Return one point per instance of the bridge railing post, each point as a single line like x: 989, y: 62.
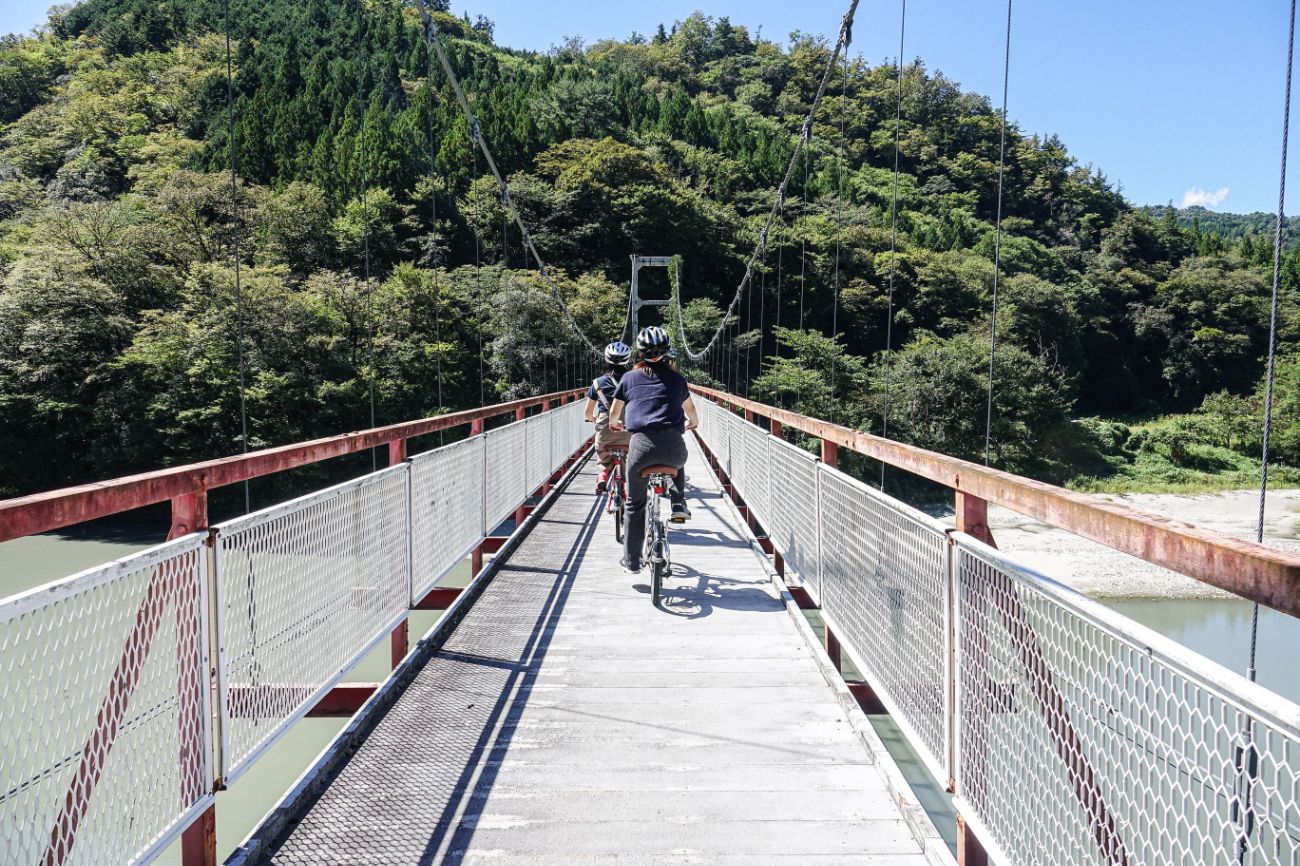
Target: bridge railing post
x: 199, y: 840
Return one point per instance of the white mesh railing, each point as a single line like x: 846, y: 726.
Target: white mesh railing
x: 884, y: 584
x: 1128, y: 748
x: 793, y: 522
x: 305, y: 589
x: 537, y: 450
x: 507, y: 471
x: 447, y: 496
x: 1074, y: 735
x: 107, y: 744
x: 105, y: 734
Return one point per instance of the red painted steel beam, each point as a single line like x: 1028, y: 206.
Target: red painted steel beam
x: 439, y: 598
x: 1253, y: 571
x: 342, y: 700
x: 40, y: 512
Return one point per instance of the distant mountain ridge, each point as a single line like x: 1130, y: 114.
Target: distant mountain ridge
x: 1232, y: 226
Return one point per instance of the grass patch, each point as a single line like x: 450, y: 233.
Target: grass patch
x: 1169, y: 454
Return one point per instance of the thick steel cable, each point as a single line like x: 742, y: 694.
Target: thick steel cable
x: 235, y: 253
x: 1248, y: 764
x: 839, y: 239
x: 433, y: 238
x: 803, y: 235
x: 762, y: 310
x: 749, y: 329
x: 430, y: 32
x: 997, y: 239
x: 841, y: 44
x: 478, y: 275
x: 893, y: 239
x: 365, y: 230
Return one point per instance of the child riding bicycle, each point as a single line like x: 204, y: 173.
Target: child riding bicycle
x: 600, y: 397
x: 653, y: 403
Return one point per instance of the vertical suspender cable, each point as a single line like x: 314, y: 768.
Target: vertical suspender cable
x: 239, y: 288
x: 1249, y: 763
x: 839, y: 237
x: 893, y: 240
x: 997, y: 240
x: 362, y: 99
x: 478, y: 267
x: 434, y: 258
x: 749, y: 328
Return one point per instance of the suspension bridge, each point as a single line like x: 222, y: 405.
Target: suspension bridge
x: 553, y: 715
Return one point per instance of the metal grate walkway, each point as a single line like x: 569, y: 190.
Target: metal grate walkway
x: 566, y: 720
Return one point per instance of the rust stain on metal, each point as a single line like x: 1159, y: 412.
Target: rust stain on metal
x: 1253, y: 571
x: 41, y: 512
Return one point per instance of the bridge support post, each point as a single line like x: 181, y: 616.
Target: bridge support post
x: 396, y: 451
x: 399, y: 643
x: 776, y: 429
x: 969, y: 850
x: 520, y: 413
x: 973, y: 517
x: 749, y: 415
x: 830, y: 454
x: 476, y: 561
x: 833, y: 648
x: 199, y: 841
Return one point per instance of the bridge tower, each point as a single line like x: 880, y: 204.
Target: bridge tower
x: 637, y: 302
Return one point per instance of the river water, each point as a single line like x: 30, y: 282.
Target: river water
x: 1217, y: 629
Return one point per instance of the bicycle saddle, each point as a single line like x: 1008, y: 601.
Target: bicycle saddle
x: 670, y: 471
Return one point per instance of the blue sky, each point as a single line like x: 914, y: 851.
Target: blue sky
x: 1177, y: 100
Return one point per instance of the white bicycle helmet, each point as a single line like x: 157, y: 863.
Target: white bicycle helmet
x: 618, y: 353
x: 653, y: 343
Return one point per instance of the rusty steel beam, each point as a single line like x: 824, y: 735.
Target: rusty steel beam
x: 1253, y: 571
x: 439, y: 598
x: 40, y: 512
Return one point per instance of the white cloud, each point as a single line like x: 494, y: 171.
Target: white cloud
x: 1203, y: 197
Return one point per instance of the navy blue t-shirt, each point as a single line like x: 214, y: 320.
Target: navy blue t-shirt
x: 654, y: 400
x: 607, y: 384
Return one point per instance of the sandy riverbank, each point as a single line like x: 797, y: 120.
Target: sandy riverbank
x: 1100, y: 571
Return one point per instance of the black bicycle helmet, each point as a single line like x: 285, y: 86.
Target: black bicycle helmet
x: 618, y: 353
x: 653, y: 343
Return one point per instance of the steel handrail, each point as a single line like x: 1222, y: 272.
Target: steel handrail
x: 1252, y: 571
x: 41, y: 512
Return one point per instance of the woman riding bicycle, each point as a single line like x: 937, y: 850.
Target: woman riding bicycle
x: 600, y: 396
x: 658, y: 411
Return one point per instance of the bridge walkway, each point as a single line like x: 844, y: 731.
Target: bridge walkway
x: 567, y: 721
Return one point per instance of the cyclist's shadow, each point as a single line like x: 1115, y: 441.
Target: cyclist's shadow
x: 692, y: 594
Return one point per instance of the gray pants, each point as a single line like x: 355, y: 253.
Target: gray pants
x: 650, y: 448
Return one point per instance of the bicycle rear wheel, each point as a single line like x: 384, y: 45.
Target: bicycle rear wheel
x: 619, y: 515
x: 657, y: 570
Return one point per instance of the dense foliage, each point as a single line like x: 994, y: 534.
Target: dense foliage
x: 119, y: 333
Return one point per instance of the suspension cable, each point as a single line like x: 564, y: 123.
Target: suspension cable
x: 430, y: 32
x: 997, y: 239
x: 841, y: 44
x: 893, y: 241
x: 839, y: 238
x: 433, y: 238
x: 235, y: 254
x: 478, y: 275
x: 362, y: 99
x: 1247, y: 756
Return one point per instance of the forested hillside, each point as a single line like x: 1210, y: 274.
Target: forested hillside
x: 119, y: 338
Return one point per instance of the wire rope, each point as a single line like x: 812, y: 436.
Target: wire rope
x: 997, y: 240
x: 235, y: 252
x: 430, y: 33
x: 842, y: 42
x: 1248, y: 764
x: 362, y: 99
x: 893, y: 243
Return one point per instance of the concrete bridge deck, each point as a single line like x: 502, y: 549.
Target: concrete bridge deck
x: 567, y: 721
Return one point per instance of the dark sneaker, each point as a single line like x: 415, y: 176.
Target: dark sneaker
x: 630, y: 566
x: 601, y: 485
x: 681, y: 513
